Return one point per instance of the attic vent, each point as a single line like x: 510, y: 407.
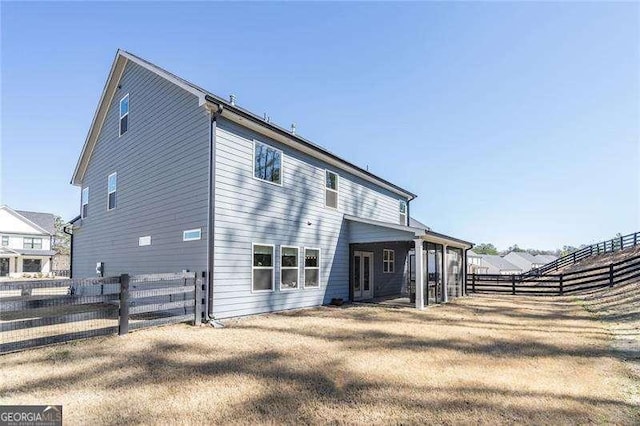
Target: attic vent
x: 232, y: 100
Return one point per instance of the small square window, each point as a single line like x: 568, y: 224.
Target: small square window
x: 267, y: 163
x: 5, y: 240
x: 192, y: 234
x: 144, y: 241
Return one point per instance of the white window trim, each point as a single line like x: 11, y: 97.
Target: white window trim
x: 144, y: 239
x: 253, y: 164
x: 304, y: 268
x: 185, y: 232
x: 337, y: 190
x: 125, y: 115
x: 297, y: 268
x: 390, y: 263
x: 82, y: 203
x: 272, y: 267
x: 111, y: 192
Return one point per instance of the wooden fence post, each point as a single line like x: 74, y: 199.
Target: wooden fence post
x: 574, y: 257
x: 635, y: 239
x: 473, y: 282
x: 513, y: 284
x: 561, y: 285
x: 123, y: 326
x: 198, y: 305
x: 611, y: 275
x: 621, y: 243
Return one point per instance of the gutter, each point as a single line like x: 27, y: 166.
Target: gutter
x: 64, y: 229
x: 210, y: 212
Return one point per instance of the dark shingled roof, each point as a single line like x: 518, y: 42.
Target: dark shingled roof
x: 44, y: 220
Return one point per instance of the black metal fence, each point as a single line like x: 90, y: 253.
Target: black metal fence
x: 557, y: 284
x: 39, y: 313
x: 608, y: 246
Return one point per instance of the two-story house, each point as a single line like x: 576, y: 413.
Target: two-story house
x: 25, y: 245
x: 175, y: 178
x: 523, y: 260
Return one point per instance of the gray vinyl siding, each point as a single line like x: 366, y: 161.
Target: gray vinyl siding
x: 162, y: 166
x: 388, y: 283
x: 249, y: 211
x: 365, y: 233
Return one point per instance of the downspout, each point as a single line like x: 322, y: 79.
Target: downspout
x: 210, y: 212
x: 64, y: 229
x: 466, y: 266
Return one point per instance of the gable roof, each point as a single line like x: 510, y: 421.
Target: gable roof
x: 232, y: 112
x: 44, y: 222
x: 545, y: 258
x: 526, y: 256
x: 500, y: 263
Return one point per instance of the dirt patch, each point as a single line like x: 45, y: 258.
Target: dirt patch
x: 489, y: 360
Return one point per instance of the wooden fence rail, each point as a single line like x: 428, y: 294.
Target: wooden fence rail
x: 615, y: 244
x: 38, y: 313
x: 556, y: 284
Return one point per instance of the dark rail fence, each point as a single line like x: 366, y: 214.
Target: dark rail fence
x: 608, y: 246
x: 557, y: 284
x: 40, y: 313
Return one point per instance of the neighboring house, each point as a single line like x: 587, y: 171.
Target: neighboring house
x: 25, y: 246
x: 175, y: 178
x: 545, y: 258
x: 523, y: 260
x: 498, y: 265
x: 475, y: 263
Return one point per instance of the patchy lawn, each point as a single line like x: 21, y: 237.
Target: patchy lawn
x: 478, y: 360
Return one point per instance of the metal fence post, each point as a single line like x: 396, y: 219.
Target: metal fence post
x: 197, y: 320
x: 561, y: 285
x: 611, y: 275
x: 123, y: 326
x: 513, y: 284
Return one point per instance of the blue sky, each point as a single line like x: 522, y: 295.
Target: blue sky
x: 514, y: 122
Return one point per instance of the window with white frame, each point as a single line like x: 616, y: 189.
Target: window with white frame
x: 331, y: 189
x: 112, y: 188
x: 289, y: 270
x: 85, y: 202
x: 403, y: 212
x: 262, y: 267
x: 388, y: 261
x: 144, y: 241
x: 32, y: 243
x: 311, y: 267
x: 192, y: 234
x: 5, y: 240
x: 124, y: 114
x: 267, y: 163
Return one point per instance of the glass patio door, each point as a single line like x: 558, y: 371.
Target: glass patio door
x: 435, y: 285
x: 362, y: 275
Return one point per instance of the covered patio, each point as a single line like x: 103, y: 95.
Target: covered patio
x: 384, y: 267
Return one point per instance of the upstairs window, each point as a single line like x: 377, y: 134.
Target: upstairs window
x: 5, y: 240
x: 388, y: 261
x: 32, y: 243
x: 85, y: 202
x: 403, y: 212
x: 192, y: 234
x: 311, y: 268
x: 331, y: 190
x: 267, y: 163
x: 112, y: 188
x: 124, y: 114
x: 262, y: 267
x: 289, y: 268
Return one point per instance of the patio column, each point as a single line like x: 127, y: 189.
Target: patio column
x: 445, y: 274
x: 419, y: 274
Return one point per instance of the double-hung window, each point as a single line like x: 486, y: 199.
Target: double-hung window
x: 289, y: 271
x: 267, y: 163
x: 311, y: 268
x: 112, y: 189
x: 32, y: 243
x: 5, y: 240
x: 403, y: 212
x: 124, y: 114
x: 85, y: 202
x: 262, y: 267
x: 388, y: 261
x: 331, y: 189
